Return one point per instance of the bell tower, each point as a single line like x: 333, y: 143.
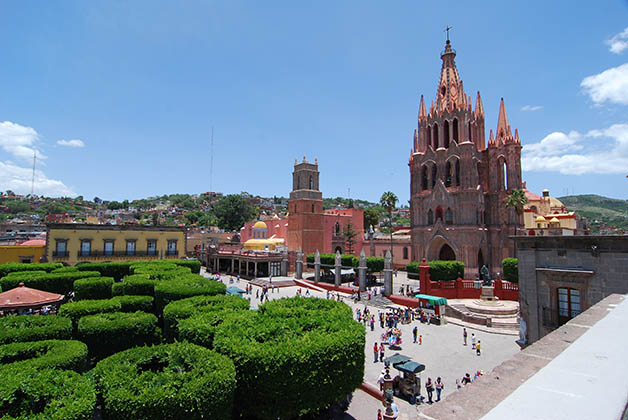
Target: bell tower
x: 305, y: 208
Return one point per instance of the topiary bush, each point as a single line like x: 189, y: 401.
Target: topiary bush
x: 184, y: 308
x: 132, y: 303
x: 61, y: 283
x: 109, y: 333
x: 445, y: 270
x: 510, y: 266
x: 77, y: 310
x: 293, y: 356
x: 13, y: 267
x: 56, y: 354
x: 19, y: 328
x: 168, y: 381
x: 160, y: 270
x: 45, y: 394
x: 93, y: 288
x: 136, y: 284
x: 117, y: 269
x: 193, y: 265
x: 184, y: 287
x: 68, y: 269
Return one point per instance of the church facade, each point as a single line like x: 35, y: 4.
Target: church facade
x: 459, y: 182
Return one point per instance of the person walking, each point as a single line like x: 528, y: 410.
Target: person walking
x: 372, y: 322
x: 477, y: 349
x: 429, y: 387
x: 420, y: 340
x: 379, y: 414
x: 464, y: 336
x: 415, y: 331
x: 439, y: 388
x: 381, y: 352
x: 473, y: 341
x: 375, y: 352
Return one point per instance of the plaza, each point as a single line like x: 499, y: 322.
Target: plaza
x: 442, y: 350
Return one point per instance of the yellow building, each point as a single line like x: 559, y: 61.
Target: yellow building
x: 28, y: 252
x: 546, y: 215
x: 72, y: 243
x: 259, y: 241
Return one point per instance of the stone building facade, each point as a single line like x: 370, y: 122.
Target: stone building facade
x: 459, y: 183
x: 562, y: 276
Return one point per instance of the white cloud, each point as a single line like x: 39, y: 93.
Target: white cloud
x: 18, y: 180
x: 71, y: 143
x: 19, y: 141
x: 531, y: 107
x: 609, y: 86
x: 619, y: 42
x: 602, y: 151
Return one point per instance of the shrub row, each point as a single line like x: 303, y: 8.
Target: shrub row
x: 45, y: 394
x: 439, y: 270
x: 510, y: 266
x: 184, y: 287
x: 19, y: 328
x: 109, y: 333
x: 57, y: 354
x: 76, y: 310
x: 132, y: 303
x: 178, y: 310
x: 61, y: 283
x: 68, y: 269
x: 373, y: 264
x: 13, y: 267
x: 169, y: 381
x: 136, y: 284
x: 160, y: 271
x: 117, y: 269
x: 93, y: 288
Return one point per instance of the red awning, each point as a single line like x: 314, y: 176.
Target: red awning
x: 25, y: 297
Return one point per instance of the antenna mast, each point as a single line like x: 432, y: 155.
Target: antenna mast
x: 211, y: 162
x: 33, y: 179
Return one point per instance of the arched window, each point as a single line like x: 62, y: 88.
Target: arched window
x: 449, y: 217
x: 337, y: 228
x: 405, y: 252
x: 448, y: 174
x: 457, y: 172
x: 429, y: 136
x: 435, y: 137
x: 311, y: 184
x: 470, y: 132
x: 439, y: 214
x: 533, y: 208
x: 455, y: 129
x: 424, y: 177
x: 430, y: 217
x: 446, y: 134
x: 434, y: 173
x: 505, y: 175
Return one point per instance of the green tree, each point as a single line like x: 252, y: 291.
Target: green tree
x: 517, y: 199
x: 371, y: 217
x: 232, y: 211
x: 388, y: 201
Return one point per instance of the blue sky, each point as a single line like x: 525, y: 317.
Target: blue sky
x: 119, y: 97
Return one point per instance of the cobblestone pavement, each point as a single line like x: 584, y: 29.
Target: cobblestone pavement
x: 442, y: 352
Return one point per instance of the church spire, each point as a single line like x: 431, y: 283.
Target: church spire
x: 422, y: 111
x: 449, y: 87
x: 503, y: 127
x: 479, y: 109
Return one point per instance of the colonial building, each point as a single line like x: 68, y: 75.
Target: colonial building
x: 459, y: 183
x: 546, y: 215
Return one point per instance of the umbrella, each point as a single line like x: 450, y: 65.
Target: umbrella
x: 235, y: 291
x: 396, y: 358
x: 410, y: 366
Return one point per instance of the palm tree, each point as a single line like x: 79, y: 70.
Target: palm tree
x: 388, y: 201
x: 517, y: 199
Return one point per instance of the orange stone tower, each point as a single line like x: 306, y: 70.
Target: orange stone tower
x: 305, y: 207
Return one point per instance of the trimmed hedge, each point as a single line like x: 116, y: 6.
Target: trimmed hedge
x: 76, y: 310
x: 56, y: 354
x: 45, y: 394
x: 93, y: 288
x: 168, y: 381
x: 446, y: 270
x: 293, y: 356
x: 117, y: 269
x: 61, y: 283
x: 20, y: 328
x: 193, y: 265
x: 510, y: 266
x: 13, y: 267
x: 184, y: 287
x: 135, y: 284
x: 109, y: 333
x: 160, y: 271
x: 132, y: 303
x: 178, y: 310
x: 68, y: 269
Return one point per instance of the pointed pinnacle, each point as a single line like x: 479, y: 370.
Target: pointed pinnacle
x: 502, y: 122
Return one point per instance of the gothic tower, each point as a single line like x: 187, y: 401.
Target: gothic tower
x: 458, y: 184
x: 305, y: 207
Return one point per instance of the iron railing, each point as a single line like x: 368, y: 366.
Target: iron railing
x: 60, y: 254
x: 82, y: 254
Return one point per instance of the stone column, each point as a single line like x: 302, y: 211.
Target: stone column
x: 388, y: 274
x: 284, y: 265
x: 424, y: 277
x: 317, y: 266
x: 362, y: 272
x: 255, y: 269
x: 338, y: 268
x: 299, y: 265
x: 232, y: 264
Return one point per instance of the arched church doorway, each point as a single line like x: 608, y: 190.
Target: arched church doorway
x: 446, y: 253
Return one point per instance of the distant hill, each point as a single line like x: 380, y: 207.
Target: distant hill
x: 608, y: 211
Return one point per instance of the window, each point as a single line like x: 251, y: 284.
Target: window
x: 311, y: 183
x: 429, y: 136
x: 312, y: 208
x: 86, y: 247
x: 337, y: 228
x: 439, y: 213
x: 457, y: 171
x: 449, y: 217
x: 435, y: 137
x: 568, y: 304
x: 151, y: 247
x: 448, y: 174
x: 505, y: 175
x: 172, y: 247
x: 470, y: 132
x: 108, y: 247
x: 61, y: 248
x: 446, y: 134
x: 26, y: 260
x: 434, y: 173
x: 130, y: 247
x: 424, y: 177
x: 455, y: 129
x: 430, y: 217
x: 405, y: 252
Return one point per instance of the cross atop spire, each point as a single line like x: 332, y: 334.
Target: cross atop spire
x: 447, y: 29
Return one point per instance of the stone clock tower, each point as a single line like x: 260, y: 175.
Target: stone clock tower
x: 305, y: 207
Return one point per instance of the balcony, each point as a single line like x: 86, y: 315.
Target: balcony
x: 60, y: 254
x: 171, y: 253
x: 116, y: 254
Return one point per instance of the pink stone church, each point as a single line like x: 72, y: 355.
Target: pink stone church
x: 459, y: 183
